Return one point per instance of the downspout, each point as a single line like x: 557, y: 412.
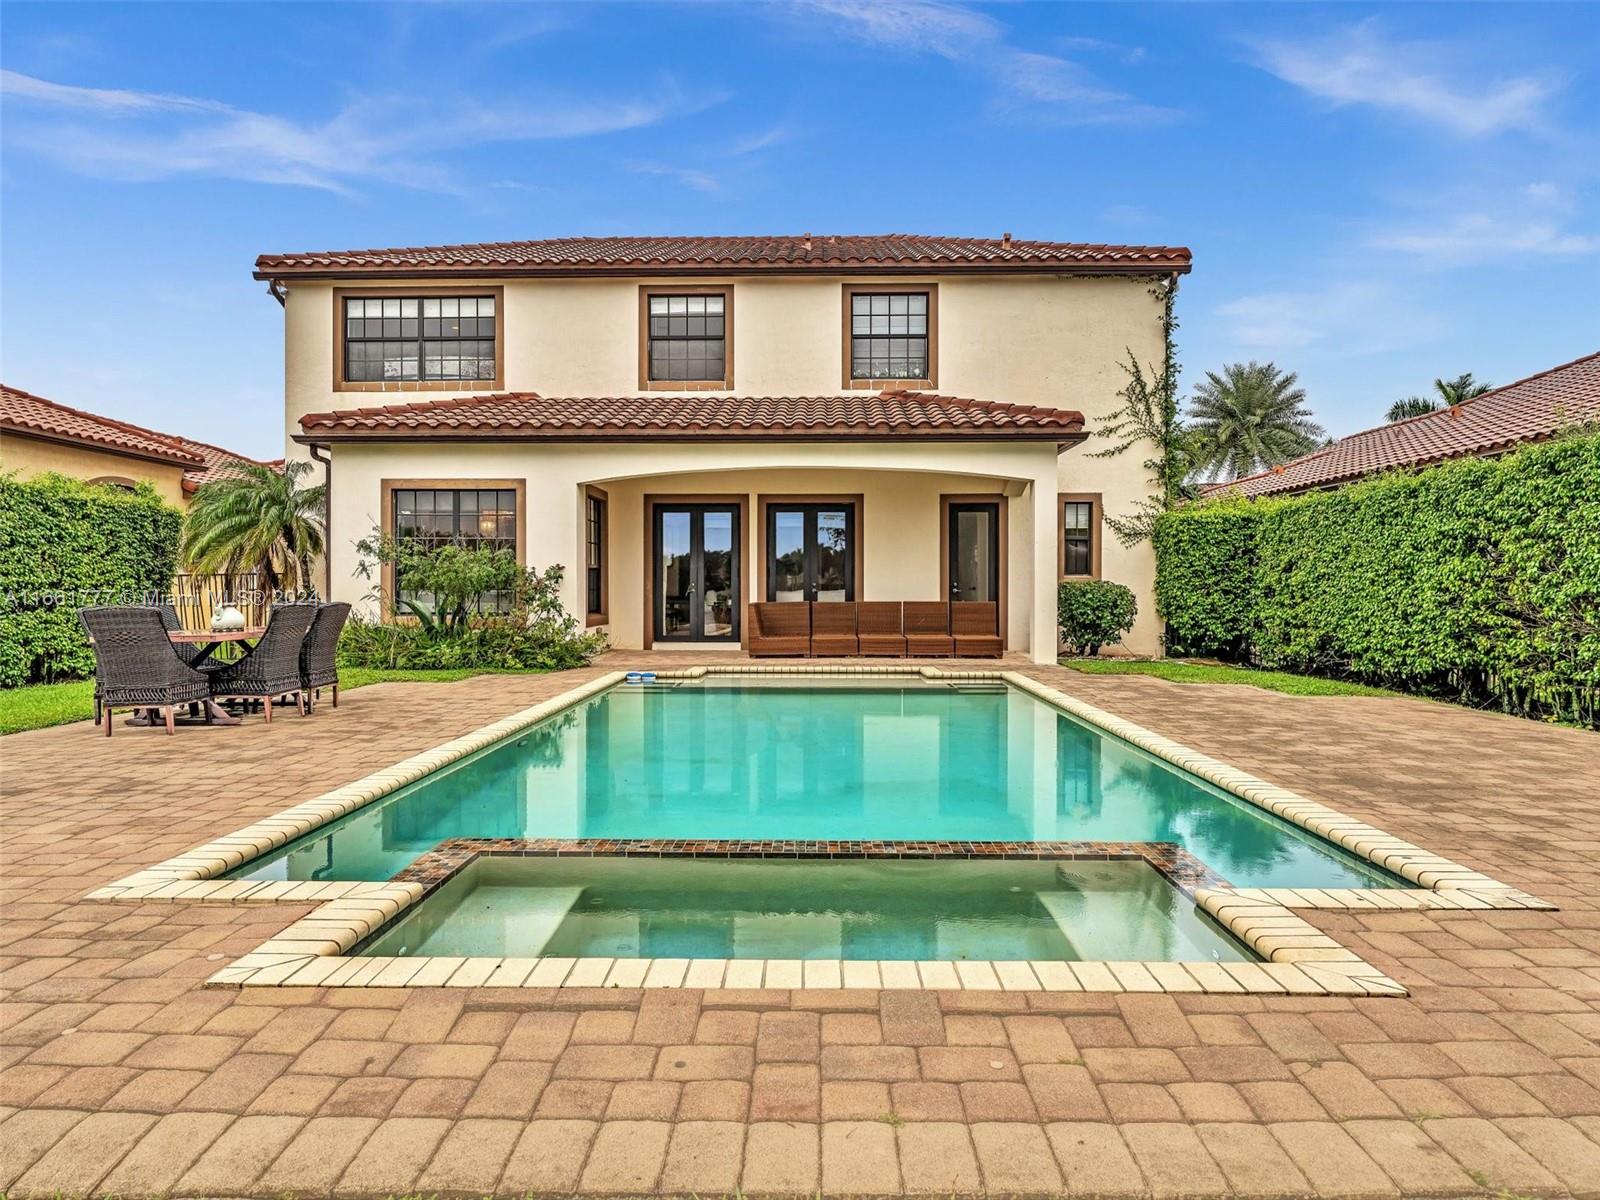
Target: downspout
x: 319, y: 452
x: 276, y: 290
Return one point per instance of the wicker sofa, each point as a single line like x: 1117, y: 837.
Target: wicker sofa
x: 914, y: 628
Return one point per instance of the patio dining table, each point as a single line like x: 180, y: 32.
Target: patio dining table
x: 210, y: 641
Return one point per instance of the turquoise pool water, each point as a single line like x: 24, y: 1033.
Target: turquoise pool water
x: 776, y: 908
x: 752, y: 759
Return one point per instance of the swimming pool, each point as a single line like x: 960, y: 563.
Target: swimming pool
x: 774, y: 759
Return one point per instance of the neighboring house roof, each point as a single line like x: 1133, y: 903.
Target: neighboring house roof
x: 686, y: 255
x: 1531, y: 409
x: 33, y: 416
x: 527, y: 415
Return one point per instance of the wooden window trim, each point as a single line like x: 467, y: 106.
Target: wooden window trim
x: 878, y: 385
x: 388, y: 487
x: 855, y: 501
x: 945, y: 501
x: 646, y: 384
x: 1093, y: 499
x: 738, y: 500
x: 590, y: 492
x: 498, y: 383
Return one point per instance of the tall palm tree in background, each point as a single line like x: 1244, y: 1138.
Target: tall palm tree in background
x: 1447, y: 394
x: 1249, y: 417
x: 259, y: 519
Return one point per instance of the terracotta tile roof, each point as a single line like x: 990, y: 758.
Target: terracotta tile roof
x: 824, y: 254
x: 24, y: 413
x: 527, y: 415
x: 34, y: 416
x: 1529, y: 410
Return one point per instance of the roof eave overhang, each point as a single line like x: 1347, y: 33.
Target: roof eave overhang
x: 324, y: 436
x: 280, y: 275
x: 173, y: 460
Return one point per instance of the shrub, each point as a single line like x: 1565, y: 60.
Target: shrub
x: 536, y: 633
x: 1092, y: 613
x: 65, y: 545
x: 1476, y: 580
x: 1205, y: 585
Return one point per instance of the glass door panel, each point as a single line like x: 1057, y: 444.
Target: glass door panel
x: 975, y: 552
x: 832, y: 573
x: 787, y: 570
x: 717, y: 597
x: 675, y: 584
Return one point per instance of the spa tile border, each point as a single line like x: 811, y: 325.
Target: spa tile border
x: 1175, y: 864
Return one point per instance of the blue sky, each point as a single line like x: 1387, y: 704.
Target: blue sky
x: 1374, y: 195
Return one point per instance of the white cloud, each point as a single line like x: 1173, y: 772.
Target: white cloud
x: 121, y: 134
x: 1028, y: 82
x: 700, y: 181
x: 1359, y: 65
x: 1473, y: 238
x: 1359, y: 317
x: 916, y: 25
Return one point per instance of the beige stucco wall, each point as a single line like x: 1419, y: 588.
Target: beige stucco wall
x: 30, y: 456
x: 1042, y: 340
x: 900, y: 486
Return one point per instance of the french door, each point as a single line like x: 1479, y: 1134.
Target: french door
x: 696, y: 552
x: 974, y: 540
x: 811, y: 552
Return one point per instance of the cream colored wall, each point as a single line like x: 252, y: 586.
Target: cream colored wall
x: 1042, y: 340
x: 900, y: 487
x: 30, y: 456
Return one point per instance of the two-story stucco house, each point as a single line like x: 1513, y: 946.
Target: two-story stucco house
x: 691, y: 424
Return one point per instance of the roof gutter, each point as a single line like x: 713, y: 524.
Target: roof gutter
x: 320, y: 453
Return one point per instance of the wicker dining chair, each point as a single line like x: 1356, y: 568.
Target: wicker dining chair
x: 172, y: 623
x: 272, y: 669
x: 319, y: 667
x: 135, y: 666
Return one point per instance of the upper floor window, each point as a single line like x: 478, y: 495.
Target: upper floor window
x: 891, y: 336
x: 687, y: 338
x: 398, y: 339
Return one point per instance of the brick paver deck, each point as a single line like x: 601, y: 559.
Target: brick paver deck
x: 120, y: 1074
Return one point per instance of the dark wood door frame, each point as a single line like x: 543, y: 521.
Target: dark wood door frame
x: 764, y: 506
x: 737, y: 501
x: 1002, y: 564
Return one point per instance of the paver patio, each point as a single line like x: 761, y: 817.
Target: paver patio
x: 120, y: 1074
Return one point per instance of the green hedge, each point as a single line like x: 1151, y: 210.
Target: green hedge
x: 1477, y: 580
x: 65, y: 545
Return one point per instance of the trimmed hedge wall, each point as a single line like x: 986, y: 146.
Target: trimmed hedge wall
x: 65, y: 545
x: 1477, y: 580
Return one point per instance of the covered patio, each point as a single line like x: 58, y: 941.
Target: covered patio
x: 672, y: 515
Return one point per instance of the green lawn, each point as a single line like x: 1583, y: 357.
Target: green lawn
x: 1187, y: 672
x: 46, y: 704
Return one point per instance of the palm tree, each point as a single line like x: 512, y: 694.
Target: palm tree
x: 1463, y: 387
x: 1411, y: 406
x: 259, y: 519
x: 1249, y: 417
x: 1451, y: 392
